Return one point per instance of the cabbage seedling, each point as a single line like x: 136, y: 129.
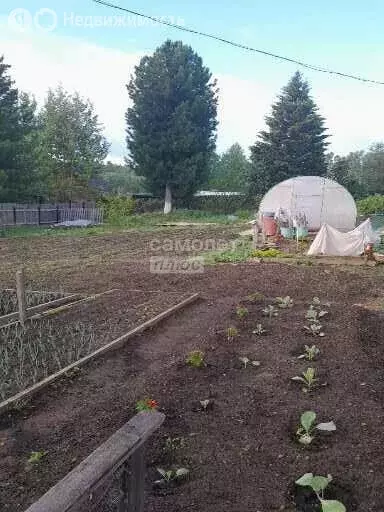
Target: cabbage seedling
x: 310, y: 353
x: 284, y: 302
x: 195, y: 359
x: 319, y: 484
x: 315, y: 329
x: 270, y: 311
x: 305, y: 433
x: 259, y: 330
x: 313, y: 315
x: 205, y: 404
x: 241, y: 312
x: 307, y: 378
x: 171, y: 475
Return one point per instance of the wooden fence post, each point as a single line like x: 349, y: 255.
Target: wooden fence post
x: 21, y: 298
x: 136, y: 482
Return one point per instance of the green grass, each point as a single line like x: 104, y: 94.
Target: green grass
x: 142, y: 222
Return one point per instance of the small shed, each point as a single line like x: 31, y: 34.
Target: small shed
x: 323, y: 201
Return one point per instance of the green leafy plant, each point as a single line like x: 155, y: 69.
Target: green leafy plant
x: 308, y: 378
x: 171, y: 475
x: 259, y: 330
x: 310, y: 353
x: 284, y: 302
x: 314, y: 315
x: 246, y: 361
x: 195, y: 359
x: 319, y: 484
x: 268, y: 253
x: 147, y: 404
x: 305, y: 433
x: 35, y: 457
x: 270, y: 311
x: 315, y: 329
x: 241, y: 312
x: 232, y: 333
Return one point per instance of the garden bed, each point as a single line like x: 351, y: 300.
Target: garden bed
x: 50, y: 344
x: 8, y: 299
x: 242, y: 451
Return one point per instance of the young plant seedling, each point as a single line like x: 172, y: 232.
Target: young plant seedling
x: 284, y: 302
x: 319, y: 484
x: 310, y: 353
x: 314, y: 315
x: 246, y: 361
x: 146, y: 405
x: 307, y: 378
x: 315, y: 329
x: 270, y: 311
x: 317, y: 304
x: 35, y: 457
x: 206, y: 404
x: 306, y: 432
x: 171, y: 475
x: 241, y: 312
x: 195, y: 359
x: 232, y: 333
x: 259, y: 330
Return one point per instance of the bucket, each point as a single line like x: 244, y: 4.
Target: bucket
x: 269, y: 225
x: 301, y: 232
x: 287, y: 232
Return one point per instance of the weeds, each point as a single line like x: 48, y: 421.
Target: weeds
x: 36, y: 457
x: 195, y: 359
x: 241, y: 312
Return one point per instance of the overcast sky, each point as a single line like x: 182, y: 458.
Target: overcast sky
x: 56, y: 45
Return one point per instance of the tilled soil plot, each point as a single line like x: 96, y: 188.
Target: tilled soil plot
x: 241, y: 453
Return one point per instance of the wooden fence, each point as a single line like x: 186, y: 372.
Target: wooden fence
x: 84, y: 488
x: 43, y: 215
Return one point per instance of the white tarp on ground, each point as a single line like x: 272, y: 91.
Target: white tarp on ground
x: 329, y: 241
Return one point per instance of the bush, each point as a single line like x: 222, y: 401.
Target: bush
x: 117, y: 208
x: 149, y: 205
x: 370, y: 205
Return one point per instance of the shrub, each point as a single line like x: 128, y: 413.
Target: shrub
x: 371, y: 204
x: 117, y: 208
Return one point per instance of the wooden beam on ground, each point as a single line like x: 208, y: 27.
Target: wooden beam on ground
x: 113, y: 345
x: 77, y: 488
x: 39, y: 307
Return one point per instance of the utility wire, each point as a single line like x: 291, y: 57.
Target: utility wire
x: 238, y: 45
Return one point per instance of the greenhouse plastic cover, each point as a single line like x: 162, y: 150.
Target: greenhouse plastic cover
x: 329, y: 241
x: 323, y: 201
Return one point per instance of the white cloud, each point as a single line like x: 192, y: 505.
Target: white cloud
x: 39, y: 60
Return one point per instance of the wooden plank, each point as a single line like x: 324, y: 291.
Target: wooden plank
x: 39, y: 307
x: 77, y: 487
x: 21, y: 298
x: 27, y: 393
x: 136, y: 482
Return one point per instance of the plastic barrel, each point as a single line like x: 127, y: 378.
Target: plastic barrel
x: 269, y: 225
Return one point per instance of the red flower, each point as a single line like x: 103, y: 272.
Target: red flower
x: 152, y: 404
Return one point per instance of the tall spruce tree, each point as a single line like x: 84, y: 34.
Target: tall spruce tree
x: 295, y: 142
x: 172, y: 123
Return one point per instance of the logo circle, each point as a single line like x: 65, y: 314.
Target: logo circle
x: 20, y: 19
x: 46, y: 25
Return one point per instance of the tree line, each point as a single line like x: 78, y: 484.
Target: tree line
x: 58, y: 152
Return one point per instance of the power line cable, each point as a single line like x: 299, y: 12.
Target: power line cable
x: 238, y: 45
